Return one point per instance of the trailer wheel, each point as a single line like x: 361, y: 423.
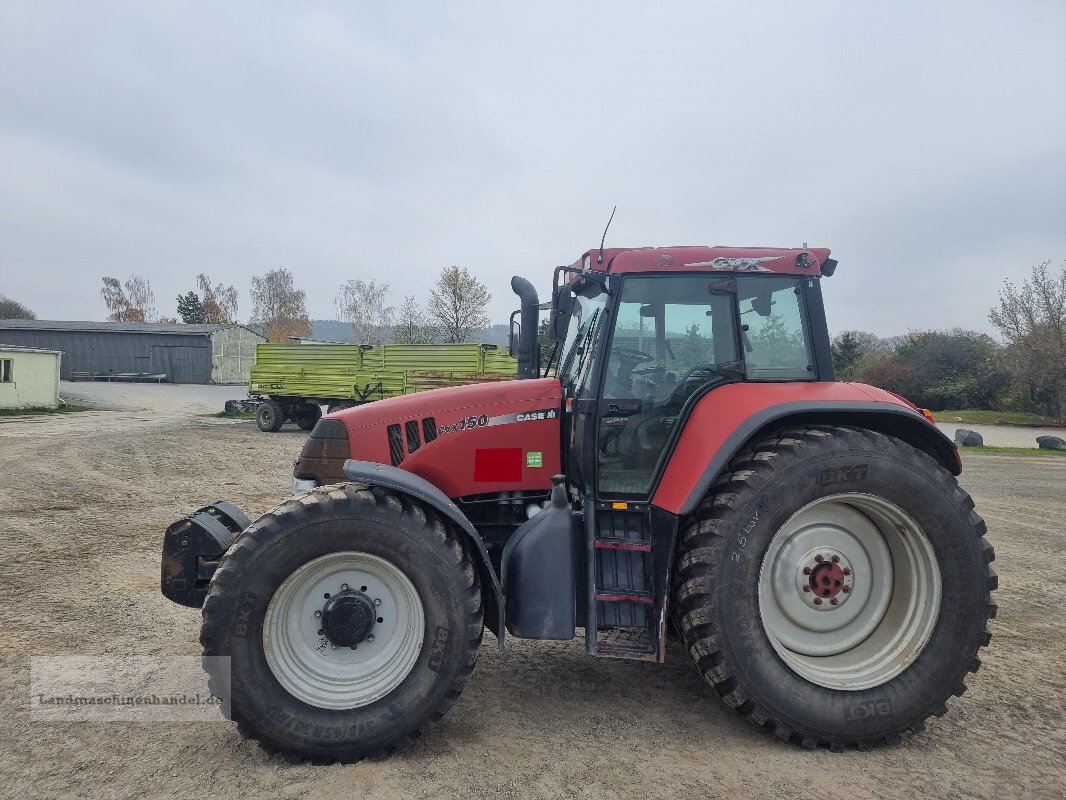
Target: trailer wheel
x: 351, y: 618
x: 270, y: 416
x: 307, y: 415
x: 835, y: 586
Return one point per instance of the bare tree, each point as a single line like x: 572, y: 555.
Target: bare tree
x: 1032, y: 319
x: 133, y: 301
x: 12, y: 309
x: 412, y: 325
x: 457, y: 304
x: 219, y: 302
x: 362, y: 305
x: 278, y: 307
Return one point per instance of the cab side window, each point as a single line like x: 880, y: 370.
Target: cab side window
x: 774, y: 329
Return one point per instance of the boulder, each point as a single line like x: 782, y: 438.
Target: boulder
x: 968, y: 438
x: 1051, y: 443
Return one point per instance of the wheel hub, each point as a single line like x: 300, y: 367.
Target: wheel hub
x: 825, y: 579
x: 348, y: 618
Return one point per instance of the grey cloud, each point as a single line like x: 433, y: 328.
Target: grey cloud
x: 924, y: 143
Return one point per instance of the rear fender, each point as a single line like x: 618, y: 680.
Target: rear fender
x: 420, y: 489
x: 696, y: 464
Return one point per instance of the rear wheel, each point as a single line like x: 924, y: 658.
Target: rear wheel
x: 270, y: 416
x: 307, y: 415
x: 351, y: 618
x: 835, y: 586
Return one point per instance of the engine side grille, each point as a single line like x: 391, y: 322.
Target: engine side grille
x: 413, y: 440
x: 429, y: 429
x: 395, y: 445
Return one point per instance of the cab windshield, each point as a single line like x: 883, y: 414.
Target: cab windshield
x: 580, y: 334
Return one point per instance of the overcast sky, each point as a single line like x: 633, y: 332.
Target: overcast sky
x: 925, y: 143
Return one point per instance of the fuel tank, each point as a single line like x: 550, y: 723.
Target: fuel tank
x: 465, y: 440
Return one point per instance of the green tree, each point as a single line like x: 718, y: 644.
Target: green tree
x: 457, y: 304
x: 279, y: 309
x: 412, y: 325
x: 190, y: 309
x: 1032, y: 318
x: 12, y: 309
x: 133, y: 301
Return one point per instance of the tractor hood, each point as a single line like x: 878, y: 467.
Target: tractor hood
x: 465, y: 440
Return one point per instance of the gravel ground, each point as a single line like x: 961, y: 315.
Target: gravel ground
x: 86, y: 497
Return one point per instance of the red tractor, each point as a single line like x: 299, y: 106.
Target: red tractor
x: 692, y: 465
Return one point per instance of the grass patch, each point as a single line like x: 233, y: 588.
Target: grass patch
x: 69, y: 408
x: 1013, y: 451
x: 981, y: 417
x: 236, y: 414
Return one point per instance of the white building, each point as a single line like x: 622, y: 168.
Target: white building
x: 29, y: 378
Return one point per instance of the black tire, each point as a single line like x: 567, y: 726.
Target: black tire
x: 307, y: 415
x: 270, y: 416
x: 335, y: 407
x: 717, y: 576
x: 331, y: 519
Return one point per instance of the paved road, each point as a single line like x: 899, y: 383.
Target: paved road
x: 1003, y: 435
x: 184, y: 399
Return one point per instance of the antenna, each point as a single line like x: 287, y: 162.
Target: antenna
x: 599, y: 258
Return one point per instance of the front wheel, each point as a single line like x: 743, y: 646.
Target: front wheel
x: 835, y: 586
x: 351, y: 618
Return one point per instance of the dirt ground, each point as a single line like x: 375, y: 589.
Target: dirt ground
x: 85, y: 498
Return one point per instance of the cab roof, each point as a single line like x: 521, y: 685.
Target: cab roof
x: 789, y: 260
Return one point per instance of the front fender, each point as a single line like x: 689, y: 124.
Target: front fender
x: 729, y: 417
x: 425, y: 492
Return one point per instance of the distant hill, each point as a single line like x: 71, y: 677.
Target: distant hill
x: 333, y: 330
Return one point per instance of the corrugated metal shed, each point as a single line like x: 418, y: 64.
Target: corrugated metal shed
x: 185, y: 353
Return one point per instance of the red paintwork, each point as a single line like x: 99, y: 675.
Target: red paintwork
x: 701, y: 259
x: 449, y: 461
x: 723, y: 410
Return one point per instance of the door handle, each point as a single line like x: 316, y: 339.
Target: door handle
x: 622, y: 408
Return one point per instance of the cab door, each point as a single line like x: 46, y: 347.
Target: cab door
x: 673, y: 338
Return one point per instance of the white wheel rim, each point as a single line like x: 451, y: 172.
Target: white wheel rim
x: 320, y: 674
x: 849, y: 591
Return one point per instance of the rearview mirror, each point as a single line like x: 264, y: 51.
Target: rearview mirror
x: 762, y: 304
x: 513, y: 335
x: 562, y: 308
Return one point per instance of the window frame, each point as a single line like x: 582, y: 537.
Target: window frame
x: 7, y: 370
x: 802, y: 283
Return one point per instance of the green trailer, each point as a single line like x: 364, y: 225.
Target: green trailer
x: 294, y: 381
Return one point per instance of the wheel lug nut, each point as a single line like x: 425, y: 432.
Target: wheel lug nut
x: 819, y: 558
x: 835, y: 559
x: 369, y: 638
x: 846, y: 589
x: 817, y: 601
x: 847, y: 571
x: 318, y: 614
x: 344, y: 587
x: 377, y: 601
x: 806, y: 588
x: 833, y: 602
x: 806, y: 570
